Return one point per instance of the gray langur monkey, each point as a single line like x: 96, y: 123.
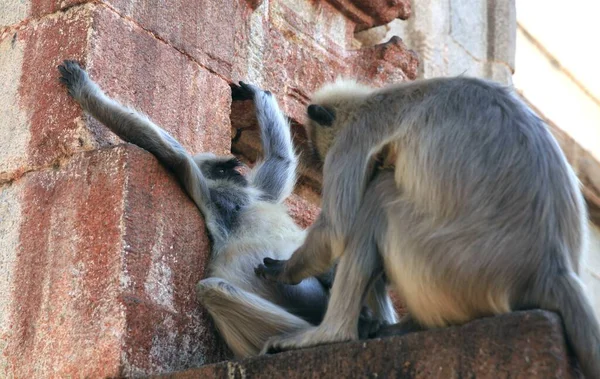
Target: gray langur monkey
x: 482, y: 215
x: 245, y: 217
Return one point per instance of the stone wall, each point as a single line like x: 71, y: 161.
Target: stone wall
x: 461, y: 37
x: 99, y: 247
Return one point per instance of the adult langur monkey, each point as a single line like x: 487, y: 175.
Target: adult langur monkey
x: 482, y: 216
x: 245, y: 217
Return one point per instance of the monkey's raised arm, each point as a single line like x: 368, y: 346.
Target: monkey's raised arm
x: 275, y: 175
x: 136, y: 128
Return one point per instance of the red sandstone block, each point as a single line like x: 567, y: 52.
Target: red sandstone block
x: 516, y: 345
x: 213, y: 33
x: 128, y: 63
x: 109, y: 250
x: 39, y: 127
x: 289, y: 47
x: 180, y: 96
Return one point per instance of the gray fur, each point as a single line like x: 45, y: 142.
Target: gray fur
x: 276, y: 174
x: 489, y: 217
x: 357, y: 270
x: 245, y: 217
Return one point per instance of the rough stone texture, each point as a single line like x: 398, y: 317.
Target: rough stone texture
x: 213, y: 34
x: 291, y: 47
x: 521, y: 345
x: 13, y: 11
x: 472, y: 37
x: 107, y: 254
x: 35, y: 115
x: 16, y: 11
x: 372, y: 13
x: 127, y: 62
x: 502, y: 24
x: 468, y: 26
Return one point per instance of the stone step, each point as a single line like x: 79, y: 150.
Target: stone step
x: 517, y: 345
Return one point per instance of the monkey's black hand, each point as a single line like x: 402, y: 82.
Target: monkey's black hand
x: 72, y: 76
x: 271, y: 269
x: 246, y: 91
x: 243, y: 91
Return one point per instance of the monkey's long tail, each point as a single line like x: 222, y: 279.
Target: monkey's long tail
x: 567, y: 297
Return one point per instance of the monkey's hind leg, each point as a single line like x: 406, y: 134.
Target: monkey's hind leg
x: 246, y: 321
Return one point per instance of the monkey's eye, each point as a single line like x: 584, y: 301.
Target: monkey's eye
x: 324, y: 116
x: 221, y: 171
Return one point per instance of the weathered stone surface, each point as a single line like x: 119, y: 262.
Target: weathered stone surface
x: 15, y: 11
x: 293, y: 70
x: 370, y: 13
x: 44, y: 125
x: 502, y: 30
x: 461, y: 62
x: 102, y: 271
x: 290, y: 47
x: 521, y: 344
x: 213, y: 34
x: 179, y: 95
x: 311, y: 24
x: 389, y: 62
x: 34, y: 125
x: 462, y: 37
x: 468, y: 18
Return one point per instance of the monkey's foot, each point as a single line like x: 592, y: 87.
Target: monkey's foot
x: 314, y: 336
x: 368, y: 324
x: 273, y: 270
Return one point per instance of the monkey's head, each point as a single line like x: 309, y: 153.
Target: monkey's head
x: 331, y: 108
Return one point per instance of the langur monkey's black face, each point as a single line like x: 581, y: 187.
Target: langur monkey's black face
x: 226, y: 169
x: 321, y: 129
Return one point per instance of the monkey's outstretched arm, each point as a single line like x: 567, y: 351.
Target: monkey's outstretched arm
x: 275, y: 175
x: 136, y: 128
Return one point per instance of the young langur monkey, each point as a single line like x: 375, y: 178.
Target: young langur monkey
x: 482, y: 215
x: 245, y: 217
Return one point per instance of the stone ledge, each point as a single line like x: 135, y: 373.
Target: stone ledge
x: 529, y: 343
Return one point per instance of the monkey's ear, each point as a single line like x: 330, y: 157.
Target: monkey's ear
x: 321, y: 115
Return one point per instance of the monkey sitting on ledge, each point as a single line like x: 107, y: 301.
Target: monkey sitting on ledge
x: 481, y: 216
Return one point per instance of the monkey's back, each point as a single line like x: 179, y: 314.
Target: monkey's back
x: 488, y: 175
